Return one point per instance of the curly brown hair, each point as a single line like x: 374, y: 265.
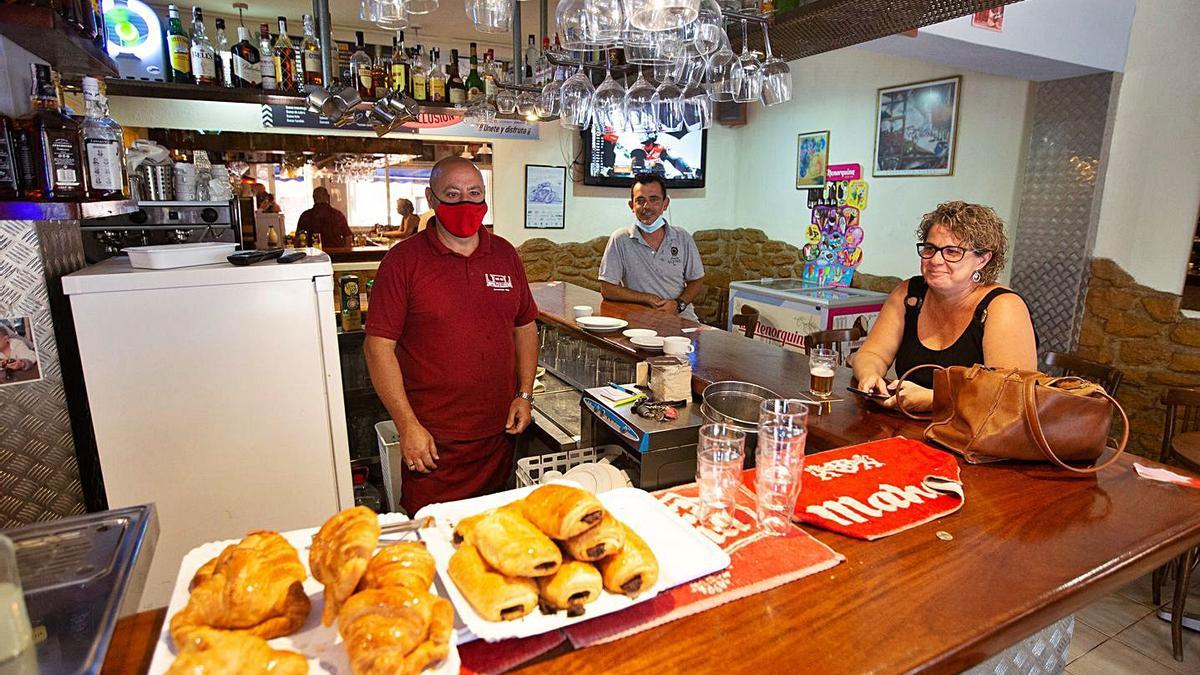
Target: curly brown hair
x: 977, y: 227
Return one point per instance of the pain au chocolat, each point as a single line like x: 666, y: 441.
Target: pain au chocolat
x: 562, y: 511
x: 598, y: 542
x: 513, y: 546
x: 495, y: 596
x: 633, y: 569
x: 574, y: 585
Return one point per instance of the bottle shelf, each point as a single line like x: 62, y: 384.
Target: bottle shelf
x: 45, y: 34
x: 65, y: 210
x: 198, y: 92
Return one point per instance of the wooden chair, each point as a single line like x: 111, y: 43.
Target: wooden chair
x: 1070, y: 364
x: 1181, y: 446
x: 747, y: 318
x: 834, y: 338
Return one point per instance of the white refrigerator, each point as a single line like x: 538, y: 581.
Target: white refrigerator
x: 215, y: 393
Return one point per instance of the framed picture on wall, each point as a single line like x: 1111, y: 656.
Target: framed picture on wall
x: 812, y: 158
x: 18, y: 351
x: 545, y: 197
x: 916, y: 129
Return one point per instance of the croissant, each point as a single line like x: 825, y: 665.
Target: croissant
x: 631, y: 570
x: 562, y: 511
x: 256, y: 586
x: 214, y: 652
x: 571, y: 587
x: 495, y: 596
x: 513, y: 546
x: 395, y: 630
x: 406, y: 564
x: 599, y: 542
x: 339, y: 555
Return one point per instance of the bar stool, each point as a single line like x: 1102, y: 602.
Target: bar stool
x: 1181, y: 446
x: 1070, y: 364
x: 747, y: 318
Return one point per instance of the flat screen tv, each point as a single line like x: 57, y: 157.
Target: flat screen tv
x: 613, y: 159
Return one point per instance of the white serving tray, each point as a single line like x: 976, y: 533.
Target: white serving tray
x: 322, y: 646
x: 683, y: 555
x: 168, y: 256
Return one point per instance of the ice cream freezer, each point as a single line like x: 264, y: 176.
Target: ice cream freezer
x: 789, y: 309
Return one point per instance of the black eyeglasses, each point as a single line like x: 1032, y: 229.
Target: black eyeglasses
x: 950, y: 254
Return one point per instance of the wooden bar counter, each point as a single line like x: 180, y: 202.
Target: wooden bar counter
x: 1031, y: 545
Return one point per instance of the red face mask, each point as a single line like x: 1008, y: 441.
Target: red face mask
x: 461, y: 219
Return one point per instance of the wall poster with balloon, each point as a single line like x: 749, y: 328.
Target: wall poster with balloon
x: 834, y: 235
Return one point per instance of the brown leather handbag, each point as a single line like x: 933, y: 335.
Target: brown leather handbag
x: 989, y: 414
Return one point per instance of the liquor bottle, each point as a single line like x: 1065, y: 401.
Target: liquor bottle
x: 437, y: 77
x: 420, y: 76
x: 10, y: 185
x: 310, y: 50
x: 456, y: 89
x: 401, y: 70
x: 50, y: 144
x: 284, y: 60
x: 179, y: 68
x: 531, y: 55
x: 224, y: 56
x: 360, y: 68
x: 247, y: 72
x: 489, y: 76
x: 204, y: 57
x: 474, y: 83
x: 101, y: 142
x: 541, y: 68
x: 379, y: 74
x: 266, y: 58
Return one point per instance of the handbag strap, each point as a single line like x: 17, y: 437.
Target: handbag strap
x: 1035, y: 426
x: 900, y: 399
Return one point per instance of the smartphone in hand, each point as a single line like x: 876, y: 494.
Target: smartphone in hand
x: 870, y: 394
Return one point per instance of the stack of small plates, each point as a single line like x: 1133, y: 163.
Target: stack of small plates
x: 598, y: 477
x: 601, y: 324
x: 649, y: 344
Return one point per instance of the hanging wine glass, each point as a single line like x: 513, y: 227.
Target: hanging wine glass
x: 393, y: 14
x: 723, y: 74
x: 551, y: 97
x: 588, y: 24
x: 640, y: 107
x: 697, y: 108
x: 777, y: 76
x: 655, y: 15
x: 490, y: 16
x: 668, y: 105
x: 645, y: 48
x: 506, y: 101
x: 710, y: 28
x: 750, y: 87
x: 575, y: 107
x: 608, y: 104
x: 421, y: 6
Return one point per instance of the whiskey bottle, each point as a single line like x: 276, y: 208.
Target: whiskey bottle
x: 456, y: 90
x: 310, y: 55
x: 203, y: 56
x: 401, y: 71
x: 50, y: 144
x: 266, y: 60
x: 420, y: 77
x: 360, y: 69
x: 285, y: 60
x: 179, y: 66
x: 224, y: 56
x: 379, y: 74
x: 247, y: 72
x: 100, y: 138
x: 437, y: 78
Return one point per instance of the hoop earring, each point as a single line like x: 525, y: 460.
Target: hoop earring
x: 977, y: 277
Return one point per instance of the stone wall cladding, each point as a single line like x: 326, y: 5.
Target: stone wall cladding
x: 1142, y: 332
x: 728, y: 255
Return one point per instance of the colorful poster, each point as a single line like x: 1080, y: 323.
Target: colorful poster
x: 916, y: 128
x: 833, y: 245
x: 545, y: 197
x: 812, y: 158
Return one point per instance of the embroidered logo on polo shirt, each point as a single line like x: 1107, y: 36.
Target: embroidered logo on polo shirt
x: 498, y: 282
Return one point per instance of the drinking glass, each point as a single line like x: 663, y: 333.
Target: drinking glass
x: 490, y: 16
x: 655, y: 15
x: 750, y: 87
x: 723, y: 74
x: 575, y: 111
x: 779, y: 467
x: 783, y: 411
x: 393, y: 14
x: 710, y: 29
x: 608, y: 105
x: 822, y: 362
x: 776, y: 76
x: 640, y: 107
x: 527, y: 104
x: 421, y: 6
x: 697, y: 108
x: 720, y: 455
x: 644, y: 48
x: 506, y: 101
x: 690, y: 67
x: 587, y: 24
x: 668, y: 105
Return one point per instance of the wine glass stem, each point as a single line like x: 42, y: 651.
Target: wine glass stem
x: 745, y: 39
x: 767, y: 40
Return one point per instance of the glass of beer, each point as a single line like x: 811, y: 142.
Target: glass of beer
x: 821, y: 364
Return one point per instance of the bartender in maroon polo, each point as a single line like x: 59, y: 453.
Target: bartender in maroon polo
x: 452, y: 345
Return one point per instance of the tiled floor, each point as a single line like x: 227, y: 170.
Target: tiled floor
x: 1121, y: 635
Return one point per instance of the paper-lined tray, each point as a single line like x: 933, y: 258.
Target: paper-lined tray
x: 683, y: 555
x: 322, y: 645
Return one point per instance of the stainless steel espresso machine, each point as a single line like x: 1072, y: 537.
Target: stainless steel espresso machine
x: 156, y: 223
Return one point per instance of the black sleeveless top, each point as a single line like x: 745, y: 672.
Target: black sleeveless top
x: 967, y: 350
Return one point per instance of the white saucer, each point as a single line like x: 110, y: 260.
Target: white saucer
x: 597, y: 477
x: 601, y: 324
x: 649, y: 344
x: 639, y: 333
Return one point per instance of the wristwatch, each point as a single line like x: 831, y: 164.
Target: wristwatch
x: 680, y: 305
x: 525, y: 395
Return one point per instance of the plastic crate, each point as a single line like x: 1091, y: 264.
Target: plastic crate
x: 391, y: 459
x: 530, y: 469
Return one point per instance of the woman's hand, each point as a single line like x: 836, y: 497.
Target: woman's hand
x: 916, y: 398
x: 875, y: 384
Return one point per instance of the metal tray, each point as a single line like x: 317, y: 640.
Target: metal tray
x: 736, y: 403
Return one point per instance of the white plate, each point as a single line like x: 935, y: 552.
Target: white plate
x: 650, y: 344
x: 683, y: 555
x: 639, y: 333
x: 597, y: 477
x: 322, y: 646
x: 601, y: 324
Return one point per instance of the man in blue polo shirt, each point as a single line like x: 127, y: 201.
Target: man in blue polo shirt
x: 652, y: 263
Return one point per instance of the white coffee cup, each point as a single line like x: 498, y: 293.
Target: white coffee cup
x: 581, y: 310
x: 678, y: 346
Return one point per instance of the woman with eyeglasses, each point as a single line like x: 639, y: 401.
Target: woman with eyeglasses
x: 953, y: 314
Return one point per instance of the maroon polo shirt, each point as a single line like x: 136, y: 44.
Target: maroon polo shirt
x: 452, y: 318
